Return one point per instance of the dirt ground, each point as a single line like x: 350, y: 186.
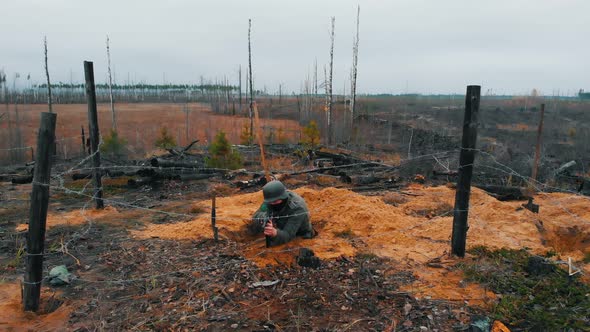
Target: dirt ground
x: 148, y: 261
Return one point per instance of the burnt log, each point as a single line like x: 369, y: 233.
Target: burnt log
x: 118, y: 173
x: 260, y: 181
x: 134, y: 183
x: 80, y: 176
x: 505, y: 193
x: 189, y: 177
x: 159, y: 162
x: 360, y: 180
x: 7, y: 177
x: 448, y: 173
x: 22, y: 179
x: 340, y: 159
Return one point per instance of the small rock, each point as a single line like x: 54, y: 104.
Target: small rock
x: 423, y: 328
x: 407, y: 309
x: 234, y: 326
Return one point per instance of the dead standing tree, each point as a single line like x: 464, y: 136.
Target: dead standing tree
x: 355, y: 56
x: 330, y: 80
x: 250, y: 77
x: 240, y: 87
x: 113, y: 115
x: 49, y: 101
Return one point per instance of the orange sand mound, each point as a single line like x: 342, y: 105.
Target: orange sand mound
x: 419, y: 229
x: 412, y: 234
x: 13, y: 318
x: 72, y: 218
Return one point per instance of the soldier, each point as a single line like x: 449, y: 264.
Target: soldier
x: 285, y: 213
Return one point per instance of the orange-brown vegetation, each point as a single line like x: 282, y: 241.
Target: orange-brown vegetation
x: 140, y: 124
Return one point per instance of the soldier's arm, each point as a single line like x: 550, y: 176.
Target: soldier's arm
x: 261, y: 213
x: 291, y: 227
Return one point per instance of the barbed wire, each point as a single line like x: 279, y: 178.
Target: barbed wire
x: 502, y: 168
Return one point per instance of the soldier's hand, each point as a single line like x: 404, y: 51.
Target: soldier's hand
x: 270, y: 230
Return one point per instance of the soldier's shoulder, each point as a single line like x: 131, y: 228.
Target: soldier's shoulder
x: 296, y: 201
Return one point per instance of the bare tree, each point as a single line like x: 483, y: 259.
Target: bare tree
x: 17, y: 133
x: 250, y: 70
x: 327, y: 106
x: 2, y: 82
x: 330, y: 81
x: 315, y: 77
x: 240, y: 86
x: 49, y: 101
x: 113, y: 115
x: 355, y: 56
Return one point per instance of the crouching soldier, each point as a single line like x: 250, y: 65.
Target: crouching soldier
x: 282, y: 216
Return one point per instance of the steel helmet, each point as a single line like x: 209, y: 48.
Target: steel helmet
x: 274, y: 190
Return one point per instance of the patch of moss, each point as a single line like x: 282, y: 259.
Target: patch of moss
x: 535, y: 294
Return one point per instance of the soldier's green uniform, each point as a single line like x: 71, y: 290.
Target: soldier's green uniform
x: 291, y: 218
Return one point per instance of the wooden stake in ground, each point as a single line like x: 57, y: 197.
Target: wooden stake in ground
x: 466, y: 158
x: 213, y: 220
x: 38, y: 213
x: 49, y: 101
x: 259, y: 133
x: 93, y: 133
x: 83, y: 141
x: 537, y: 150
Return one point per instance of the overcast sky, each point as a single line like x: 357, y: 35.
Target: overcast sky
x: 508, y: 46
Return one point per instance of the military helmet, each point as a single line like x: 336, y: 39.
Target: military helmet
x: 274, y: 190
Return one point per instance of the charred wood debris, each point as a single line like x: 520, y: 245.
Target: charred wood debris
x: 336, y: 167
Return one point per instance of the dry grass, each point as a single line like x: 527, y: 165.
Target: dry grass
x: 140, y: 124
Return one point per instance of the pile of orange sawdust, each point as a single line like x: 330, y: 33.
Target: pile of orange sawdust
x: 72, y: 218
x: 13, y: 318
x: 411, y: 234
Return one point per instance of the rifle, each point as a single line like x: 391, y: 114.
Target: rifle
x: 264, y: 223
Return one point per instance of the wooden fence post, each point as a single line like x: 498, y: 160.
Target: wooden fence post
x: 466, y: 158
x: 213, y: 220
x: 537, y: 149
x: 93, y: 133
x: 38, y: 212
x: 83, y: 142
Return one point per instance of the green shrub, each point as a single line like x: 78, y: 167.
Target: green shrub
x: 222, y: 154
x: 281, y: 136
x: 311, y: 135
x: 113, y: 146
x: 246, y: 137
x: 165, y: 140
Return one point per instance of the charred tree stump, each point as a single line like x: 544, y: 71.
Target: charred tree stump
x: 94, y: 133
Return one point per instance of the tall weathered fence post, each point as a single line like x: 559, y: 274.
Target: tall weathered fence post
x: 461, y: 211
x: 83, y: 142
x: 538, y: 148
x: 93, y: 133
x: 38, y: 212
x: 213, y: 220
